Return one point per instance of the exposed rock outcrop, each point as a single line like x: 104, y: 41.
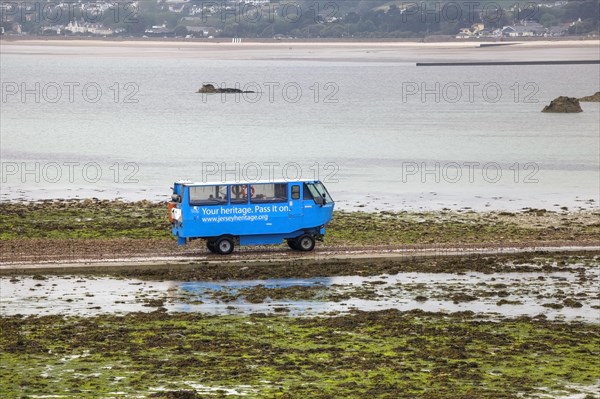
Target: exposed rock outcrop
x: 563, y: 104
x: 593, y: 98
x: 210, y: 89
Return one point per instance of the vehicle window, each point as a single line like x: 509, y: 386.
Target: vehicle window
x: 295, y: 192
x: 307, y: 194
x: 262, y: 193
x: 208, y: 195
x: 239, y: 194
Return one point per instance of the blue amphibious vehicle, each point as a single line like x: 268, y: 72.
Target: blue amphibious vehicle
x: 250, y: 213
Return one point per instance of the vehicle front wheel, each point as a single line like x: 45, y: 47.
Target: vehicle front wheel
x: 291, y: 242
x: 305, y: 243
x: 224, y: 246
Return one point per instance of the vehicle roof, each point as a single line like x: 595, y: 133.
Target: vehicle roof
x: 222, y: 183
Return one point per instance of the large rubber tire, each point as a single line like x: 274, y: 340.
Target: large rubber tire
x: 305, y: 243
x: 224, y: 246
x: 291, y: 242
x: 210, y: 244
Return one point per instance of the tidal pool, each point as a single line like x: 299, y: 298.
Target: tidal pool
x: 556, y: 295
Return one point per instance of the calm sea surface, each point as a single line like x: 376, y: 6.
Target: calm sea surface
x: 386, y: 135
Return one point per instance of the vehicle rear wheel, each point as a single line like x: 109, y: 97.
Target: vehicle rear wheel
x: 305, y: 243
x: 210, y: 244
x: 291, y: 242
x: 224, y: 246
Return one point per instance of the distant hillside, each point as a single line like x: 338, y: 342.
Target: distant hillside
x: 302, y: 18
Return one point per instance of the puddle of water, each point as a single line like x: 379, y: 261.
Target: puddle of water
x: 576, y: 392
x: 77, y: 295
x: 500, y: 294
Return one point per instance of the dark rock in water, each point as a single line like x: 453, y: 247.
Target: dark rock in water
x: 593, y: 98
x: 563, y: 104
x: 210, y: 89
x: 207, y: 89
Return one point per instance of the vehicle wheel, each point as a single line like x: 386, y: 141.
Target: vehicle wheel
x: 305, y: 243
x: 291, y: 242
x: 210, y: 244
x: 224, y: 246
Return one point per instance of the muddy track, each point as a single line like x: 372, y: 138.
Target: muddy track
x: 325, y: 262
x: 78, y: 253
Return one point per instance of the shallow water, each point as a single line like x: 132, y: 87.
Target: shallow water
x: 527, y: 293
x: 374, y: 146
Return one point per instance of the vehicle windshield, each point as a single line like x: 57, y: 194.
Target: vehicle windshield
x: 319, y: 190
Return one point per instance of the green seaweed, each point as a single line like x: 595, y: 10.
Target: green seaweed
x: 387, y: 354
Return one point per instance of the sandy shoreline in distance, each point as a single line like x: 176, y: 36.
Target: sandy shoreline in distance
x: 304, y: 44
x: 315, y: 51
